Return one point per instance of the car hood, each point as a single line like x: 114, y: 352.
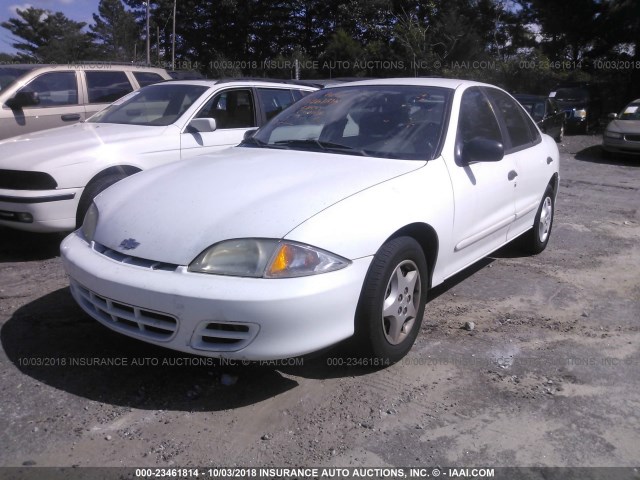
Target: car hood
x: 624, y: 126
x: 176, y: 211
x: 47, y: 150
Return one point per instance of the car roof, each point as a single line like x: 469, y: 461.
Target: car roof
x: 242, y: 82
x: 97, y: 65
x: 451, y: 83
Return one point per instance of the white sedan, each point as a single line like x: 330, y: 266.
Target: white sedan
x: 49, y: 178
x: 335, y: 219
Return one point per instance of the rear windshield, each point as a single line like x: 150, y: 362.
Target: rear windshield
x: 9, y: 74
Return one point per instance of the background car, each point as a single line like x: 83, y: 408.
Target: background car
x: 48, y: 179
x: 622, y: 134
x: 546, y: 113
x: 581, y: 103
x: 332, y: 221
x: 36, y: 97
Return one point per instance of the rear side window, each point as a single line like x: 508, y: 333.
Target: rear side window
x: 54, y: 89
x: 107, y: 87
x: 477, y: 119
x: 273, y: 100
x: 519, y: 126
x: 147, y: 78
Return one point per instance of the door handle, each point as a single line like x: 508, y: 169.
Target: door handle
x: 549, y: 160
x: 70, y: 117
x: 512, y: 174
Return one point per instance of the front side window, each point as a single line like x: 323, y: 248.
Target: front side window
x: 54, y: 89
x: 230, y: 109
x: 9, y: 74
x: 517, y: 124
x: 160, y: 104
x: 477, y: 119
x: 400, y: 122
x: 273, y: 100
x: 107, y: 86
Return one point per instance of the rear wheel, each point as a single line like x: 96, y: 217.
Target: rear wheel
x: 392, y: 301
x: 92, y: 190
x: 560, y: 136
x: 536, y: 239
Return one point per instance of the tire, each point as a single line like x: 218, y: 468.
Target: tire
x: 558, y: 138
x: 392, y: 301
x: 92, y: 190
x: 536, y: 239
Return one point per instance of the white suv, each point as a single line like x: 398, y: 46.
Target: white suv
x: 48, y: 179
x: 36, y: 97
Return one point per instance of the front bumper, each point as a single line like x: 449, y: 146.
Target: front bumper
x: 39, y: 210
x: 621, y: 145
x: 212, y: 315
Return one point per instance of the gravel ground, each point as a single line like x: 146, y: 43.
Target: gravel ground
x: 547, y: 377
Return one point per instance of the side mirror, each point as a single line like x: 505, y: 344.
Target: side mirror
x: 202, y: 124
x: 612, y: 116
x: 249, y: 133
x: 482, y: 150
x: 23, y: 99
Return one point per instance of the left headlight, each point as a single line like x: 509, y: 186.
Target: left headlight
x: 90, y: 223
x: 266, y: 258
x: 581, y: 113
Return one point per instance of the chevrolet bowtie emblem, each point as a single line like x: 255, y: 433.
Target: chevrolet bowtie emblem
x: 129, y: 244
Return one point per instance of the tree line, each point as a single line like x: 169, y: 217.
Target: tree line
x: 525, y: 45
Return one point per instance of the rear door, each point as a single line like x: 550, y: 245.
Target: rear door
x: 533, y: 167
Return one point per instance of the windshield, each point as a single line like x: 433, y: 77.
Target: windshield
x: 631, y: 112
x: 572, y: 95
x: 403, y: 122
x: 9, y: 74
x: 158, y: 105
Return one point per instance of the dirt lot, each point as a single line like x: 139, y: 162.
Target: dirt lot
x: 548, y: 377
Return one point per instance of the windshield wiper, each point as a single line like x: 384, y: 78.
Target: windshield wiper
x: 324, y: 146
x: 253, y: 141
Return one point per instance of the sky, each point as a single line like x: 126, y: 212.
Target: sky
x: 78, y: 10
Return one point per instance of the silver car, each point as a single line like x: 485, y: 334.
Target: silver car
x: 37, y: 97
x: 622, y: 135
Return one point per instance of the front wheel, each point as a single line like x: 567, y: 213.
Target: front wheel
x: 392, y: 300
x: 560, y: 136
x: 92, y: 190
x: 536, y: 239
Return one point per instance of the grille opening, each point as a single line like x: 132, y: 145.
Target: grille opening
x: 226, y: 327
x: 161, y: 331
x: 129, y: 323
x: 99, y: 300
x: 126, y: 318
x: 218, y: 340
x: 20, y: 180
x: 157, y: 316
x: 124, y: 308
